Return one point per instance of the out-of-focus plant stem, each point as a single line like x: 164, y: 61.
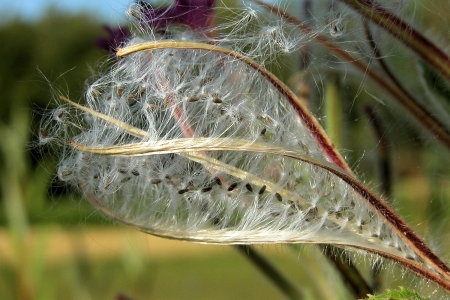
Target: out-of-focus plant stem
x: 333, y: 113
x: 385, y: 175
x: 333, y: 126
x: 352, y: 277
x: 13, y: 184
x: 404, y: 32
x: 265, y: 267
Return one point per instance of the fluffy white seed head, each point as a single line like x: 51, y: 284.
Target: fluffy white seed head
x: 198, y: 145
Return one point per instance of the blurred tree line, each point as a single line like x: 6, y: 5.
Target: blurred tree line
x: 40, y: 60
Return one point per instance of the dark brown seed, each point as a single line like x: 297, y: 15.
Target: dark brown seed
x: 135, y: 172
x: 119, y: 91
x: 249, y: 187
x: 61, y: 114
x: 206, y: 189
x: 193, y: 99
x: 122, y: 171
x: 66, y: 173
x: 232, y: 186
x: 125, y: 179
x: 96, y: 92
x: 359, y: 228
x: 44, y: 133
x: 153, y: 107
x: 141, y: 92
x: 183, y: 191
x: 216, y: 221
x: 278, y: 196
x: 217, y: 100
x: 292, y: 204
x: 312, y: 214
x: 263, y: 131
x: 131, y: 98
x: 134, y: 14
x: 262, y: 190
x: 155, y: 180
x: 217, y: 180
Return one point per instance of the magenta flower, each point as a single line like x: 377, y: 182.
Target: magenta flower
x: 196, y: 14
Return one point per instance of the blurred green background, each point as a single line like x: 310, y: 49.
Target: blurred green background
x: 53, y: 245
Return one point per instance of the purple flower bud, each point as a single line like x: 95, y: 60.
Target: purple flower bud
x: 116, y: 36
x: 196, y: 14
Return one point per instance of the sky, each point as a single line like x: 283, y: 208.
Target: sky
x: 108, y: 10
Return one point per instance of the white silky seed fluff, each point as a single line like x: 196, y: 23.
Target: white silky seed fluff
x: 215, y: 96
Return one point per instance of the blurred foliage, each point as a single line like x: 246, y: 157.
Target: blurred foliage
x: 59, y: 47
x: 43, y: 59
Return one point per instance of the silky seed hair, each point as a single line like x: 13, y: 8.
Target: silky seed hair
x: 240, y: 186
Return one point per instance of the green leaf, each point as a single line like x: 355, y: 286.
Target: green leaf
x: 401, y: 294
